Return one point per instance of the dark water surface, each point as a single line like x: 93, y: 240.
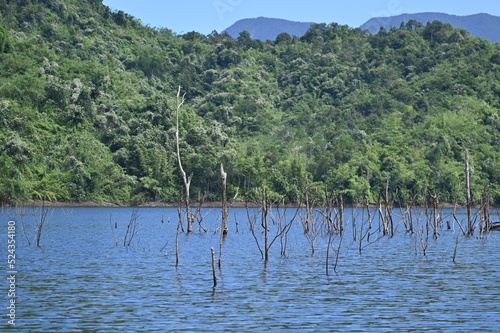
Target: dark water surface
x: 81, y: 280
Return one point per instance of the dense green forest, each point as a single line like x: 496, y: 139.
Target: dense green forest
x: 88, y: 100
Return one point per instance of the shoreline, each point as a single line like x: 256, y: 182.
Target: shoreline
x: 212, y: 204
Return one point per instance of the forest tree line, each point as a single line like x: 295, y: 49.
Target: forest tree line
x: 88, y: 101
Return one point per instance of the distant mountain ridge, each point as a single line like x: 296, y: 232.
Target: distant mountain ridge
x: 265, y: 28
x: 481, y: 25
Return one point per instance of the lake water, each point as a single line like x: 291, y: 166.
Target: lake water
x: 82, y: 277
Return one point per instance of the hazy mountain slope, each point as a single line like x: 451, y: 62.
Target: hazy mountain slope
x: 480, y: 25
x: 264, y: 28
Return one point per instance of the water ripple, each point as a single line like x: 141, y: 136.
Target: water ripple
x: 81, y: 280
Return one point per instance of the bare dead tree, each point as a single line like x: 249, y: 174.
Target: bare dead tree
x: 265, y: 216
x: 468, y: 196
x: 131, y: 227
x: 196, y: 214
x: 435, y: 213
x: 422, y: 233
x: 331, y: 214
x: 225, y: 214
x: 306, y: 221
x: 409, y: 210
x: 485, y: 221
x: 225, y: 211
x: 384, y: 217
x: 187, y: 180
x: 278, y: 219
x: 310, y: 223
x: 40, y: 225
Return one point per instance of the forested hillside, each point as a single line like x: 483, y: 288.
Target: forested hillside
x: 87, y: 110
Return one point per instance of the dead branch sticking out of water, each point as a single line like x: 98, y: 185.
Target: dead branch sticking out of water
x: 131, y: 227
x: 337, y: 252
x: 42, y: 220
x: 456, y: 220
x: 22, y: 212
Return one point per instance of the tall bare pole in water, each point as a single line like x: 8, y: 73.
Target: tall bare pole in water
x: 470, y: 226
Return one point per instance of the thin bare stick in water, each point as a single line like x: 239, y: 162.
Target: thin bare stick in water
x: 455, y: 250
x: 214, y: 271
x: 330, y: 238
x: 24, y: 231
x: 113, y: 230
x: 164, y: 246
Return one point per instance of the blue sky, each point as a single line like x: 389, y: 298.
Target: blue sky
x: 204, y: 16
